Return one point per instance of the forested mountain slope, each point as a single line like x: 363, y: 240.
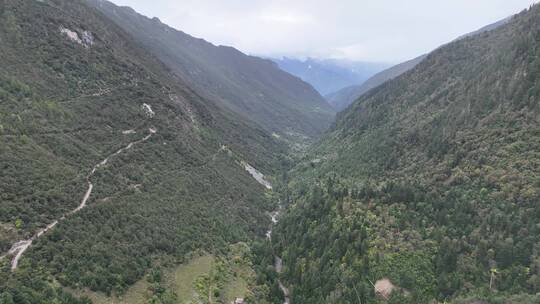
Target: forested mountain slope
x: 82, y: 105
x: 431, y: 180
x: 251, y: 86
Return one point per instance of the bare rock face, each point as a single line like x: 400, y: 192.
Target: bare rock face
x: 148, y: 110
x: 85, y: 39
x: 384, y: 288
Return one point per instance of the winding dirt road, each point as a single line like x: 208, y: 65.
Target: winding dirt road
x: 18, y: 249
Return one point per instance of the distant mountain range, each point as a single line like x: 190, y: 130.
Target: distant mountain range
x: 343, y: 98
x: 329, y: 75
x: 253, y: 87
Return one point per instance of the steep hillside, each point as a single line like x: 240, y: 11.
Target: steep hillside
x: 329, y: 75
x: 428, y: 186
x: 111, y: 165
x: 346, y: 96
x: 253, y: 87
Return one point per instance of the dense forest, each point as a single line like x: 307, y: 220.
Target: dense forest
x: 74, y: 89
x: 430, y: 180
x: 425, y: 190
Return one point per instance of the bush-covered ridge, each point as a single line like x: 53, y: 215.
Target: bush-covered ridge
x: 441, y: 168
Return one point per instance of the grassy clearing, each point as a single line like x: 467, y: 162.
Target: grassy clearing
x: 205, y: 279
x: 237, y: 287
x: 182, y: 279
x: 136, y: 294
x: 240, y: 274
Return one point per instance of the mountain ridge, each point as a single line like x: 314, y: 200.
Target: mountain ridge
x: 251, y: 86
x: 345, y: 97
x: 329, y: 75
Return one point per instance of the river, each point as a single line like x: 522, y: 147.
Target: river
x: 278, y: 263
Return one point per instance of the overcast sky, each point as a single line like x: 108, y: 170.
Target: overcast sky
x: 375, y: 30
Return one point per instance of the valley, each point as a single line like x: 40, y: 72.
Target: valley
x: 142, y: 165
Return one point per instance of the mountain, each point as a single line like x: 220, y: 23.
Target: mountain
x: 343, y: 98
x: 113, y: 168
x: 426, y: 189
x: 487, y: 28
x: 346, y: 96
x: 329, y: 75
x: 253, y: 87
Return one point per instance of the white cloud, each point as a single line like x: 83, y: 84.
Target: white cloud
x: 373, y: 30
x: 286, y: 17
